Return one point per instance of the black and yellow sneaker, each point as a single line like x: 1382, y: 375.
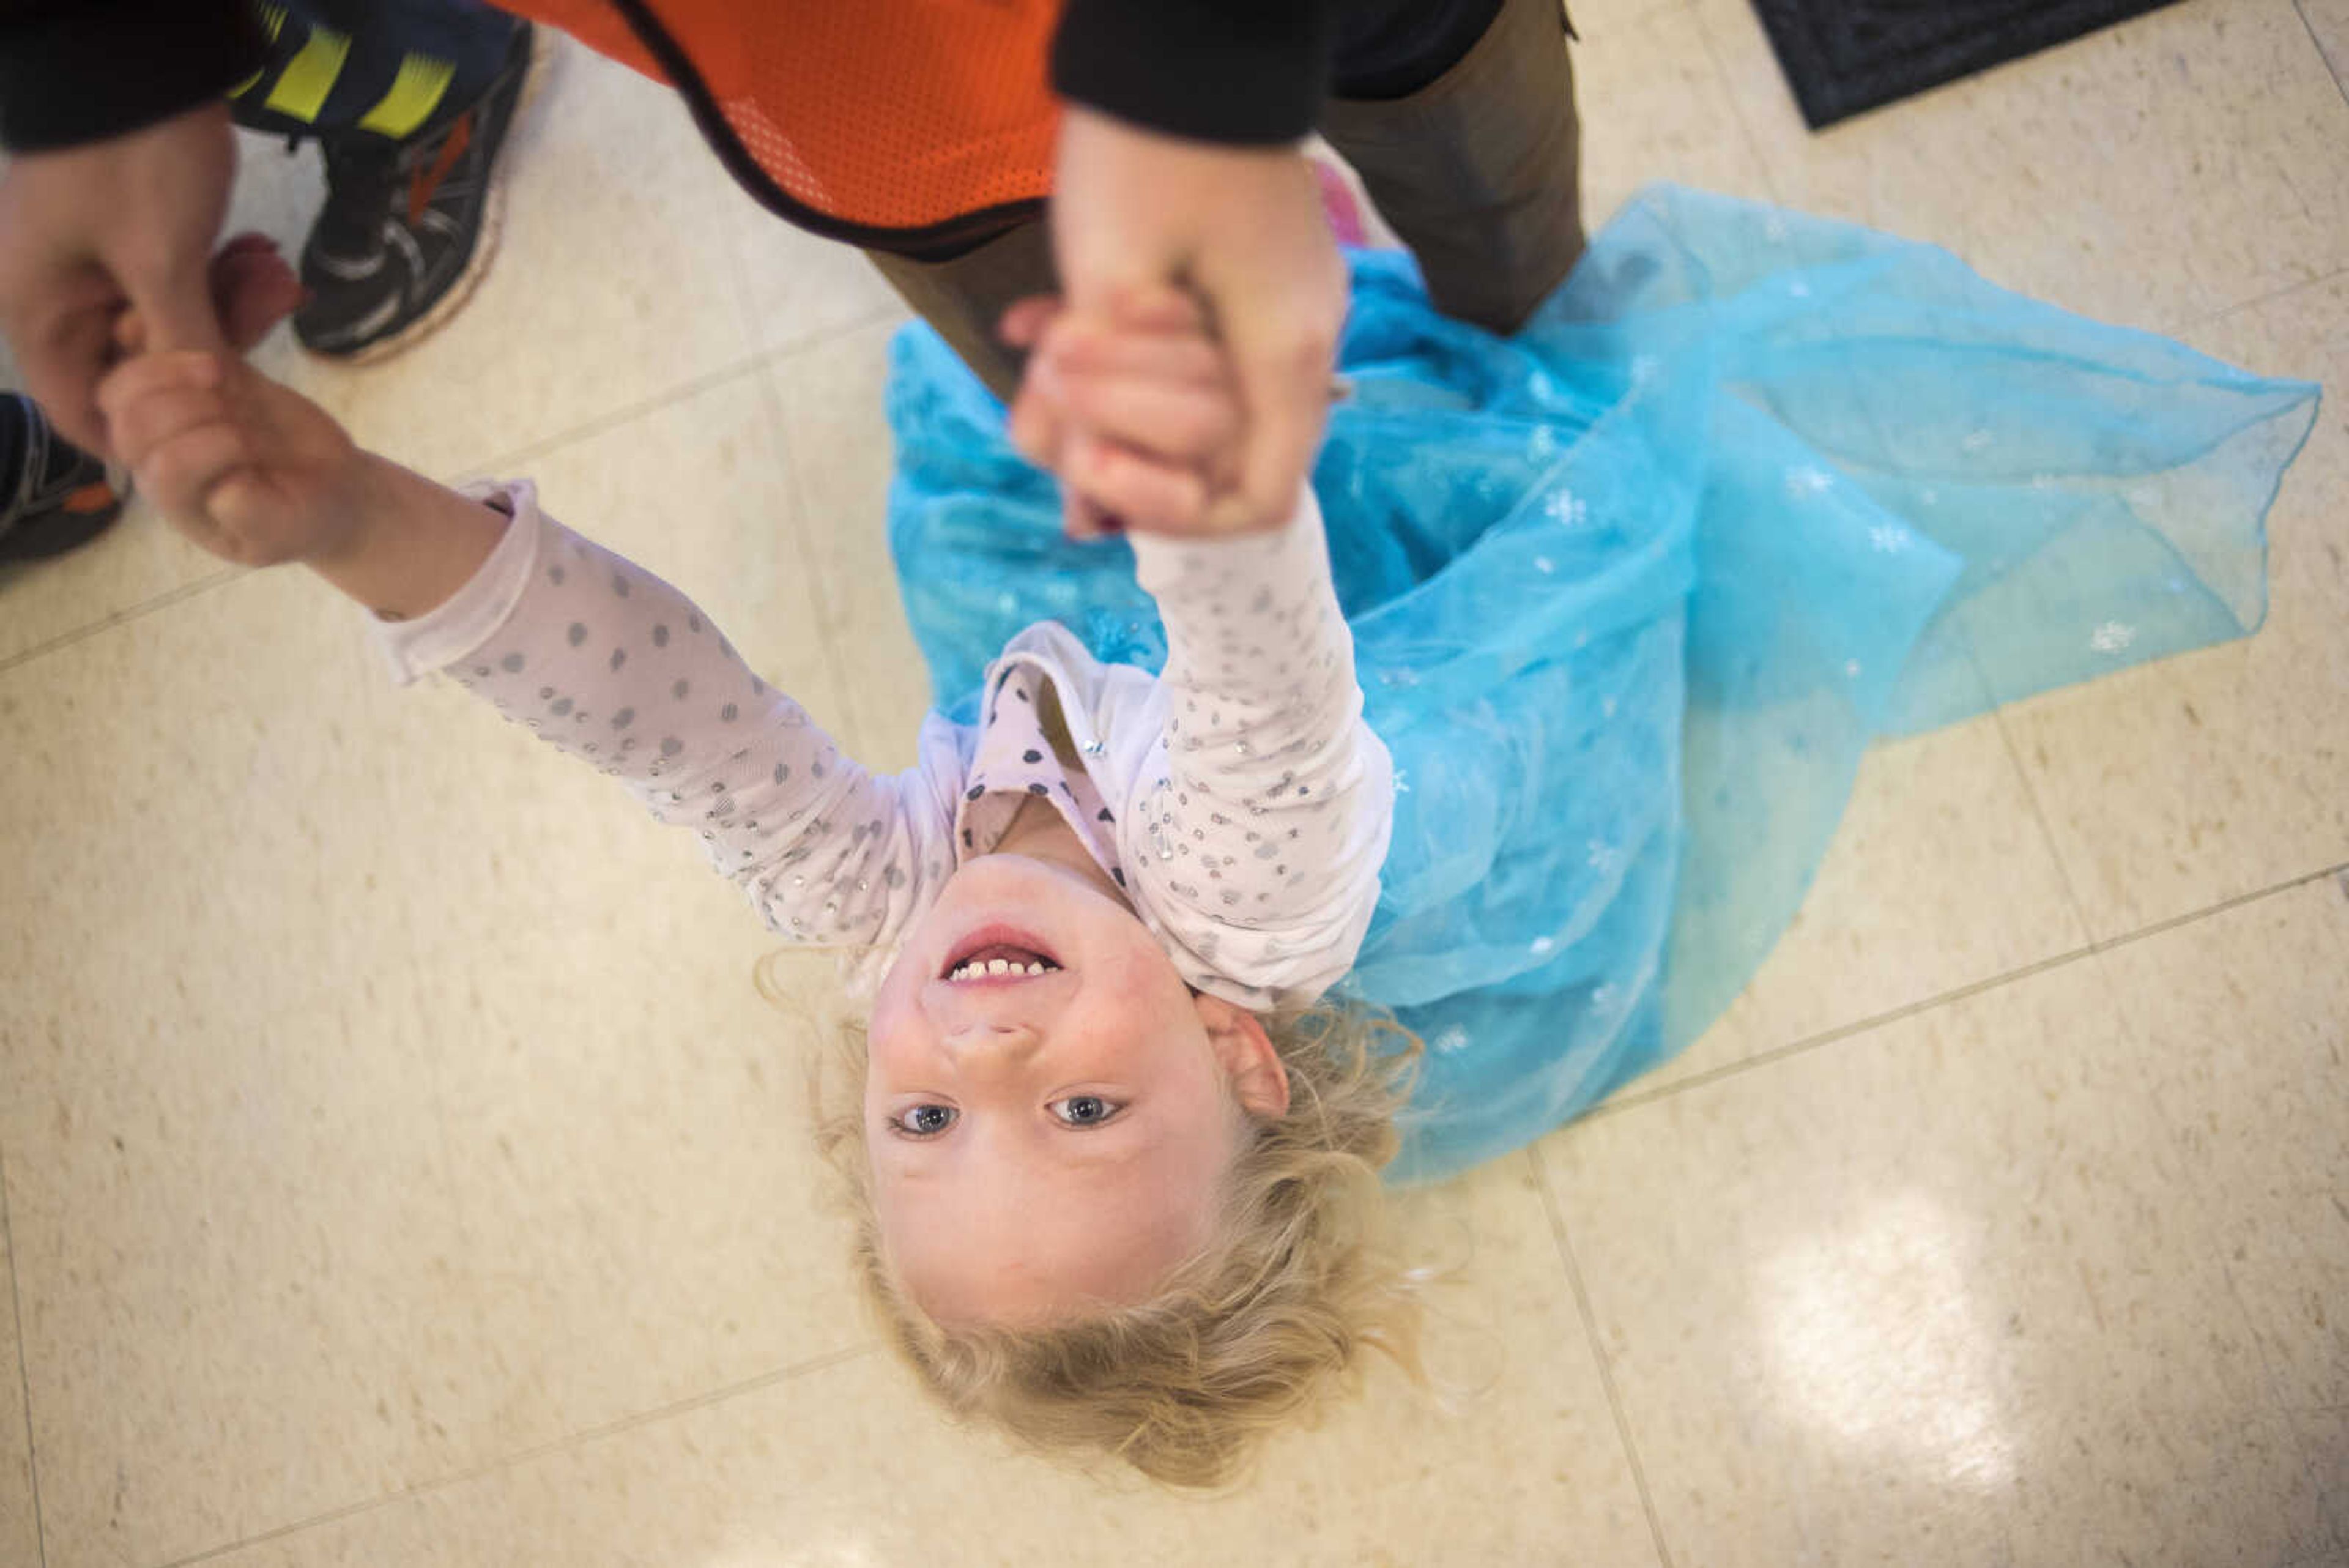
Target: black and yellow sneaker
x: 409, y: 226
x: 54, y: 497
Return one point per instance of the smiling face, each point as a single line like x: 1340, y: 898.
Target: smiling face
x: 1049, y: 1108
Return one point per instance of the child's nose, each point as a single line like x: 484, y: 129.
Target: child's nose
x: 980, y: 1047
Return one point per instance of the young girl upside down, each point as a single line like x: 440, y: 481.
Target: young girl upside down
x: 1117, y: 1162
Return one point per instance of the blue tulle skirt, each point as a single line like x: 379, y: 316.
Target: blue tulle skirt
x: 1633, y: 591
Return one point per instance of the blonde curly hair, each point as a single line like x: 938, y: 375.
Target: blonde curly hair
x: 1252, y: 1334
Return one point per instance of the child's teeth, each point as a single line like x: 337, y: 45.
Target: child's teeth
x: 977, y: 969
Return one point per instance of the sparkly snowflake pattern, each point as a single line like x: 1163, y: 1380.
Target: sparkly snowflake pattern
x: 1805, y: 482
x: 1569, y: 508
x: 1449, y: 1040
x: 2112, y: 636
x: 1976, y: 440
x: 1603, y: 857
x: 1543, y: 446
x: 1540, y: 947
x: 1401, y: 782
x: 1644, y: 369
x: 1890, y: 538
x: 1543, y: 565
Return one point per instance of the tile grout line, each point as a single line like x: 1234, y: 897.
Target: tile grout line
x: 2299, y: 9
x: 2283, y: 292
x: 2094, y: 949
x: 24, y: 1375
x: 692, y: 387
x: 611, y: 419
x: 811, y: 569
x: 2038, y: 807
x: 1840, y: 1032
x: 601, y: 424
x: 1565, y: 1245
x: 1712, y: 47
x: 827, y: 604
x: 522, y: 1456
x: 123, y: 617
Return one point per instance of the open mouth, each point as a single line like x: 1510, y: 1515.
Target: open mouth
x: 998, y: 955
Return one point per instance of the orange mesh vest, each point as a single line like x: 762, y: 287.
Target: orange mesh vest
x: 903, y: 125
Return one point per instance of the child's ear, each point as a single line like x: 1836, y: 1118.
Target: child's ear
x: 1260, y: 1082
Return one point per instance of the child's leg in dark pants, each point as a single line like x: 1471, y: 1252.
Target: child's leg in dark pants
x: 410, y: 101
x: 1478, y: 169
x: 387, y: 69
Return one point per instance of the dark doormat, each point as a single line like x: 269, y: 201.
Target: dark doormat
x: 1846, y: 55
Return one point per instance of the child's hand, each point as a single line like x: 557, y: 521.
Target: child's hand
x: 253, y: 472
x: 1138, y: 414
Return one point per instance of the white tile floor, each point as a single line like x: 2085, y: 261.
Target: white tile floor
x: 399, y: 1167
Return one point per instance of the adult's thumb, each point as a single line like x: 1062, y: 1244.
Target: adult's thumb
x: 1282, y: 365
x: 175, y: 307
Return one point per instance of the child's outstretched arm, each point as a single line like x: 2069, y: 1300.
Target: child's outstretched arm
x: 1269, y: 818
x: 604, y: 660
x: 259, y: 476
x: 1265, y: 821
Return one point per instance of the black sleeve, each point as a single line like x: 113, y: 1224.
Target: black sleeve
x: 74, y: 71
x: 1247, y: 72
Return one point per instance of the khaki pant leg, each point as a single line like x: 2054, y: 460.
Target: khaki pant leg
x: 966, y: 298
x: 1479, y: 172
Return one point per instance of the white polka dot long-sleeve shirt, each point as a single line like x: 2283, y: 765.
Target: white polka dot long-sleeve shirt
x: 1238, y: 798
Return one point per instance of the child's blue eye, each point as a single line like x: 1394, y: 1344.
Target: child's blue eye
x: 925, y: 1121
x: 1085, y: 1110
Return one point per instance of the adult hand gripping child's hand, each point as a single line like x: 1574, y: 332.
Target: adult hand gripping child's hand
x: 251, y: 471
x: 1137, y: 411
x: 258, y: 474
